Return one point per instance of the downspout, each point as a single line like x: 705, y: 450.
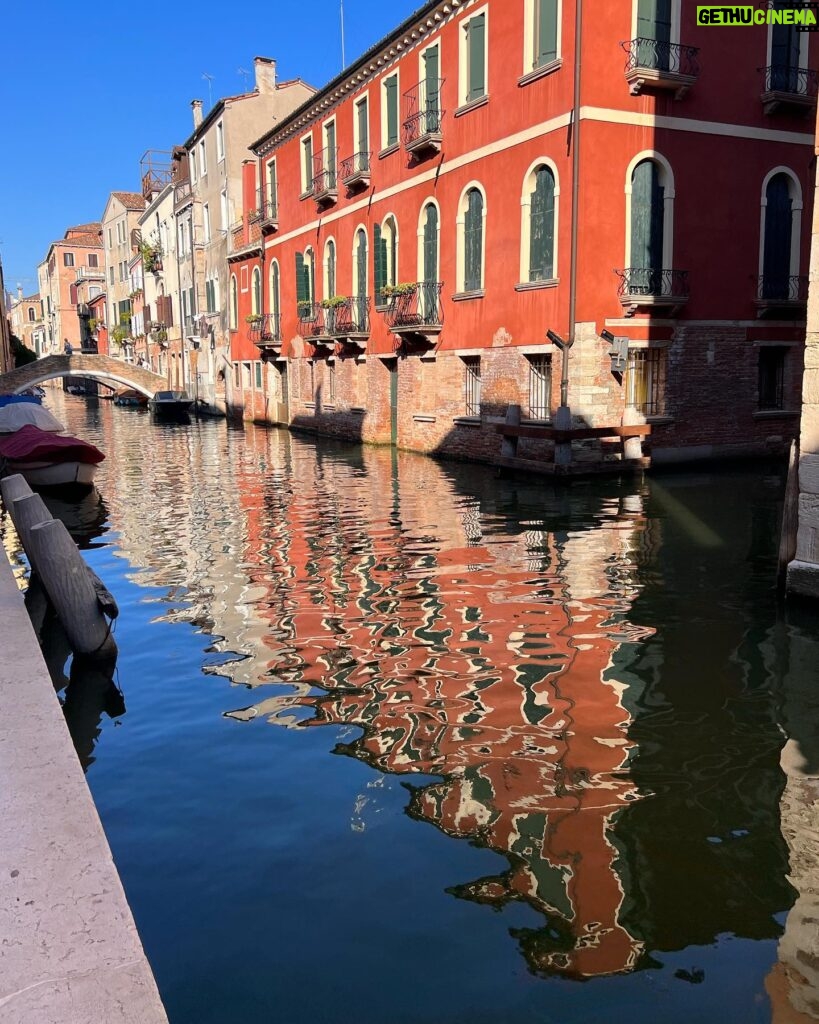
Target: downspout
x: 578, y: 36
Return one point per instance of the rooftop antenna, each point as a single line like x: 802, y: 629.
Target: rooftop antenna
x: 246, y: 73
x: 209, y: 79
x: 341, y: 11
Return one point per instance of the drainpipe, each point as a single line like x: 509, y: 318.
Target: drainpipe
x: 578, y: 36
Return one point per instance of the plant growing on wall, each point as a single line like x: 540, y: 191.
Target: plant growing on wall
x: 305, y: 307
x: 151, y: 254
x: 92, y: 325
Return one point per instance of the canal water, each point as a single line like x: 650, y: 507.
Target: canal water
x: 393, y: 741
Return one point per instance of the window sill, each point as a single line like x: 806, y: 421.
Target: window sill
x: 659, y: 421
x: 534, y: 286
x: 310, y: 405
x: 466, y: 421
x: 465, y: 296
x: 465, y: 108
x: 527, y: 422
x: 389, y: 150
x: 541, y: 72
x: 359, y: 410
x: 425, y: 419
x: 772, y: 414
x: 306, y: 195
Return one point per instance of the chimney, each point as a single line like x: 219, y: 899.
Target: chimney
x: 19, y: 293
x: 197, y: 113
x: 265, y: 68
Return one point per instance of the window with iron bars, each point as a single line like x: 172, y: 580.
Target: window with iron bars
x: 540, y: 387
x: 331, y: 383
x: 472, y: 385
x: 645, y: 380
x: 771, y: 378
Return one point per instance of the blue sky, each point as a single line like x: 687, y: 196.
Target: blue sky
x: 86, y: 89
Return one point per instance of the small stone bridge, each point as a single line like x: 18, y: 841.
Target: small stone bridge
x: 103, y: 368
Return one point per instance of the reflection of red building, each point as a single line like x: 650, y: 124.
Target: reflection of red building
x: 488, y: 665
x: 421, y: 211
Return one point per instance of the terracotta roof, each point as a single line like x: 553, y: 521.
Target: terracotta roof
x: 90, y: 240
x: 85, y: 228
x: 130, y: 200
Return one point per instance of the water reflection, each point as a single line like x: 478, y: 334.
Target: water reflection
x: 591, y: 676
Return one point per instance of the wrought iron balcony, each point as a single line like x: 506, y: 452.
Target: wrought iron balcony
x: 268, y: 210
x: 416, y: 311
x: 788, y: 88
x: 311, y: 323
x: 91, y: 273
x: 355, y: 171
x: 423, y: 115
x: 325, y: 177
x: 350, y: 321
x: 266, y: 331
x: 656, y: 64
x: 647, y: 287
x: 781, y: 293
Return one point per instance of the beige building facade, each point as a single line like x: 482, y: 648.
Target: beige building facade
x: 120, y: 221
x: 25, y: 315
x: 160, y: 312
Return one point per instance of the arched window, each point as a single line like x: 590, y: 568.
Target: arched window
x: 256, y: 293
x: 306, y: 284
x: 385, y: 257
x: 329, y: 269
x: 31, y: 315
x: 471, y: 217
x: 274, y: 290
x: 781, y: 229
x: 360, y: 263
x: 649, y: 200
x: 429, y: 244
x: 538, y: 225
x: 788, y: 56
x: 234, y: 303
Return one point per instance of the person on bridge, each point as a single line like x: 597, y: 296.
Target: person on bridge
x: 68, y: 348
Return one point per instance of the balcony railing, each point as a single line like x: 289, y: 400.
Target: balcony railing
x: 417, y: 310
x: 781, y: 292
x: 91, y: 273
x: 268, y: 209
x: 355, y: 170
x: 423, y: 114
x: 193, y: 327
x: 350, y: 320
x: 661, y: 65
x: 266, y: 330
x: 785, y: 86
x: 325, y: 177
x: 311, y: 321
x: 236, y: 235
x: 647, y: 286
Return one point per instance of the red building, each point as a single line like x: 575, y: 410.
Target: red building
x: 475, y: 180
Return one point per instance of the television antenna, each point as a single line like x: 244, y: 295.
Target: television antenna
x: 209, y: 79
x: 341, y: 12
x: 246, y: 74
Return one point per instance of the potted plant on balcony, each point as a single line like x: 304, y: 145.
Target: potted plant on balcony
x: 151, y: 256
x: 253, y: 318
x: 305, y: 308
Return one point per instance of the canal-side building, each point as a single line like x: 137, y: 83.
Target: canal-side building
x: 25, y: 313
x: 78, y: 251
x: 440, y: 217
x: 208, y: 201
x: 120, y: 222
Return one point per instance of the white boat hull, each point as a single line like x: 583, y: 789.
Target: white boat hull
x: 54, y: 474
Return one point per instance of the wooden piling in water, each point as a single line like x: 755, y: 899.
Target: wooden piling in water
x: 65, y: 577
x: 13, y: 487
x: 27, y: 512
x: 790, y: 518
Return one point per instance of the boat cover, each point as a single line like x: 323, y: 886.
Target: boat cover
x: 29, y: 444
x: 20, y: 414
x: 14, y: 399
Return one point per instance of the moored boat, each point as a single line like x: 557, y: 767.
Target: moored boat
x: 171, y: 405
x: 16, y: 415
x: 46, y: 459
x: 130, y: 397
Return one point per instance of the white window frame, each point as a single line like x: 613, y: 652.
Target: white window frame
x: 355, y: 289
x: 325, y: 267
x: 526, y: 218
x: 206, y: 222
x: 223, y: 209
x: 267, y: 191
x: 306, y: 175
x: 192, y: 165
x: 429, y: 201
x: 233, y: 304
x: 395, y: 278
x: 255, y: 306
x: 460, y: 230
x: 220, y: 142
x: 363, y: 98
x: 529, y: 40
x: 244, y: 279
x: 203, y: 160
x: 796, y: 217
x: 463, y: 58
x: 675, y: 21
x: 667, y: 181
x: 396, y: 74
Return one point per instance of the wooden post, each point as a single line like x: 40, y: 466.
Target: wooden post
x: 509, y: 445
x: 790, y: 518
x: 563, y: 421
x: 27, y: 512
x: 65, y: 577
x: 632, y: 446
x: 12, y: 487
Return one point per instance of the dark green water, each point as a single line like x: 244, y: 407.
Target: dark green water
x: 404, y: 743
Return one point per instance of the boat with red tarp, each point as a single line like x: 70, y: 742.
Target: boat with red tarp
x: 46, y: 459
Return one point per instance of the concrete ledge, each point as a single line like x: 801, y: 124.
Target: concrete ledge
x: 69, y: 948
x: 803, y: 579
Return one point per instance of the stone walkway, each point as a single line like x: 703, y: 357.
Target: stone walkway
x: 69, y: 949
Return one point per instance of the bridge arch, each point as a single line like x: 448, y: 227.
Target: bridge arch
x: 102, y: 368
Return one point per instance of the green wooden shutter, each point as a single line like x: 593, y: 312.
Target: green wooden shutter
x: 473, y: 232
x: 542, y: 227
x: 363, y: 128
x: 431, y: 244
x: 274, y: 289
x: 330, y: 155
x: 391, y: 91
x: 476, y: 46
x: 647, y: 217
x: 308, y: 164
x: 361, y: 264
x: 545, y: 32
x: 380, y: 264
x: 432, y: 85
x: 331, y: 270
x: 302, y: 286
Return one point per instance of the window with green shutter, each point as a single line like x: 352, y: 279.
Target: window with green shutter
x: 391, y: 101
x: 476, y: 58
x: 302, y: 284
x: 473, y: 241
x: 331, y: 269
x: 307, y: 170
x: 380, y: 265
x: 274, y: 289
x: 647, y: 227
x: 545, y: 32
x: 542, y: 227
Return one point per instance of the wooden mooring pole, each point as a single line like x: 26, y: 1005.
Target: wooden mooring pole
x: 790, y: 518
